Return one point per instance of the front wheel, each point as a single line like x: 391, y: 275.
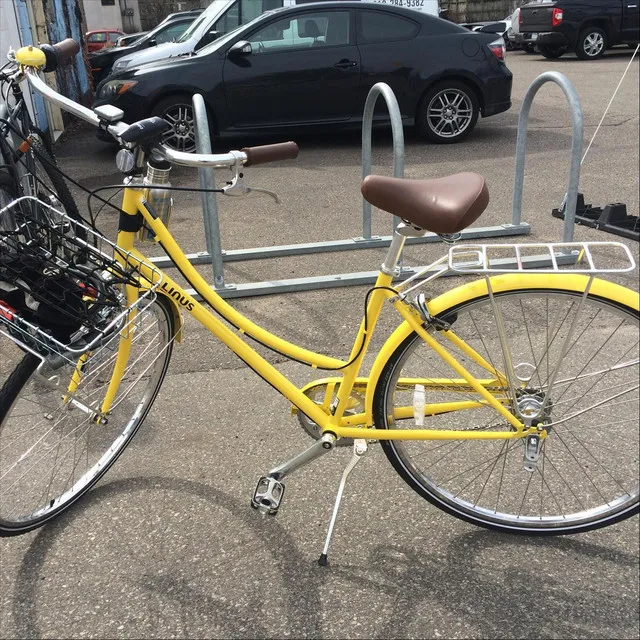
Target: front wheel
x: 178, y: 112
x: 448, y: 112
x: 586, y: 475
x: 52, y: 447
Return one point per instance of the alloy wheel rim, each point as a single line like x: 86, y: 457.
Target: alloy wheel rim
x: 449, y: 113
x: 593, y: 44
x: 182, y: 137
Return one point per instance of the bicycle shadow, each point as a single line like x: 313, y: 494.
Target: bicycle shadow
x: 524, y: 600
x: 297, y: 586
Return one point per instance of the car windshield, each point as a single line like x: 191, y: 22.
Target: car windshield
x: 213, y: 9
x: 222, y: 40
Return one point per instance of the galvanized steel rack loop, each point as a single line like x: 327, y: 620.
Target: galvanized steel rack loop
x: 576, y: 148
x: 216, y: 256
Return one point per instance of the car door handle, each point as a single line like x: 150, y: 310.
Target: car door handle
x: 345, y: 64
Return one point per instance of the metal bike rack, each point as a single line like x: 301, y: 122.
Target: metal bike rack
x: 216, y: 256
x: 571, y: 197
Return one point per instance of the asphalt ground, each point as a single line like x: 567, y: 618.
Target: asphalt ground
x: 166, y: 545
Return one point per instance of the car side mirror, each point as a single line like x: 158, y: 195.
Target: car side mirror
x: 208, y: 38
x: 152, y: 42
x: 240, y: 49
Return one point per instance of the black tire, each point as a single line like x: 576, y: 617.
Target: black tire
x: 448, y: 112
x: 54, y: 450
x: 592, y: 43
x: 580, y: 470
x: 8, y: 193
x: 54, y: 185
x: 178, y: 111
x: 551, y: 51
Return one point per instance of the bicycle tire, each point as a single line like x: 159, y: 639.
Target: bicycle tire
x: 484, y: 482
x: 52, y: 452
x: 58, y: 186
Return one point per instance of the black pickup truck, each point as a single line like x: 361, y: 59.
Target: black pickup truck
x: 587, y: 27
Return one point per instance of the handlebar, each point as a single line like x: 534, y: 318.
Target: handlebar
x: 65, y: 50
x: 59, y: 54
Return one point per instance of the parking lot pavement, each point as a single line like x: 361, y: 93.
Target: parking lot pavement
x: 167, y: 545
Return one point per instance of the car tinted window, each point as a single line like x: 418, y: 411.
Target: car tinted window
x: 379, y: 26
x: 171, y: 32
x: 97, y: 37
x: 114, y: 37
x: 318, y: 29
x: 495, y: 27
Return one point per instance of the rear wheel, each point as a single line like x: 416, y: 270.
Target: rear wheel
x: 52, y: 448
x: 551, y: 51
x: 592, y: 43
x: 448, y: 112
x: 586, y: 475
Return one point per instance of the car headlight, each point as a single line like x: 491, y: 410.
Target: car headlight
x: 120, y: 64
x: 113, y: 88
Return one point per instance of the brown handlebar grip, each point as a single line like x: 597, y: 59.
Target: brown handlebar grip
x: 270, y: 153
x: 66, y: 50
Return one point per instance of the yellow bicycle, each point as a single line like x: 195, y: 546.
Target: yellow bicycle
x: 510, y: 401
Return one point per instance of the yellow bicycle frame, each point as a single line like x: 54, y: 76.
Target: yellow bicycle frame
x: 490, y: 391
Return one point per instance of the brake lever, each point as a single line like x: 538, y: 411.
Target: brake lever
x: 238, y: 187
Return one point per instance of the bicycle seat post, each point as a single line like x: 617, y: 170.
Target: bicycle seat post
x: 400, y: 235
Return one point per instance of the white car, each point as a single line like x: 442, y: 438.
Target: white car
x: 222, y: 16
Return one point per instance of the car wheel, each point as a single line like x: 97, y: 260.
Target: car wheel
x: 592, y: 43
x: 529, y: 48
x: 178, y: 112
x: 551, y: 51
x: 448, y: 112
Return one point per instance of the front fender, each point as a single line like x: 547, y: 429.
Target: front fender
x: 177, y: 316
x: 499, y: 284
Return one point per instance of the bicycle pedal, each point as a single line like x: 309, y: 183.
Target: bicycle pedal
x: 268, y: 495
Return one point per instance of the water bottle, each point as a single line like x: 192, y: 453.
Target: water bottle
x: 160, y: 199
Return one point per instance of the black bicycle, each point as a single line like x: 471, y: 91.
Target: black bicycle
x: 27, y: 164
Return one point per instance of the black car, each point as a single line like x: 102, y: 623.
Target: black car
x: 170, y: 29
x: 587, y: 27
x: 312, y: 66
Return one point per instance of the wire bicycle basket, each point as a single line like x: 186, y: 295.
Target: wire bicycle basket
x: 62, y: 284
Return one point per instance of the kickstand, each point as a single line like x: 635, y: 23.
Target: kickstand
x: 359, y: 449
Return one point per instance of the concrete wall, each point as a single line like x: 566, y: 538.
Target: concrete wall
x: 123, y: 14
x: 478, y: 10
x: 15, y: 32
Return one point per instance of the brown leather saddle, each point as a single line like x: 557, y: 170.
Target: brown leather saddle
x: 442, y: 205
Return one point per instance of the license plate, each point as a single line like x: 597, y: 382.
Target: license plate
x: 534, y: 36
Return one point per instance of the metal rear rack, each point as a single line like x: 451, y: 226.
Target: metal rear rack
x: 544, y: 257
x: 516, y: 258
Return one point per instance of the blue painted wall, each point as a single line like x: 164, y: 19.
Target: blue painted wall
x: 63, y: 20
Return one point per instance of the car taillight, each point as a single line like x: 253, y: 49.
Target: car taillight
x: 556, y: 17
x: 498, y: 48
